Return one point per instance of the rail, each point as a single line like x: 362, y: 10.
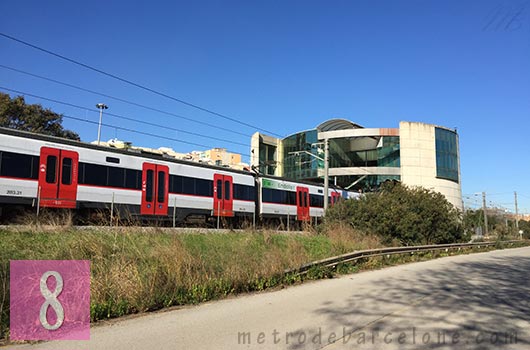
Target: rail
x: 360, y: 254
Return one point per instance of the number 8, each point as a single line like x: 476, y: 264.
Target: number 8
x: 51, y: 300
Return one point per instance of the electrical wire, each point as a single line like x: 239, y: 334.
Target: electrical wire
x: 140, y: 132
x: 123, y: 117
x: 128, y: 129
x: 130, y: 82
x: 123, y: 100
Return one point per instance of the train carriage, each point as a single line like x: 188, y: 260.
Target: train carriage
x: 51, y: 172
x: 295, y: 200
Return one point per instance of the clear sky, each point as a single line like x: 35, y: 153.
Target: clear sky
x: 286, y: 66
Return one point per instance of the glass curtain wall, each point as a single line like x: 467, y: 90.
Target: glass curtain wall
x: 446, y: 154
x: 300, y: 152
x: 384, y: 154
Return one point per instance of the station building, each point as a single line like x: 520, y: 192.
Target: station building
x: 416, y: 154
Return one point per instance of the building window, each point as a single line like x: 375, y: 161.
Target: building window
x: 267, y: 159
x: 446, y: 154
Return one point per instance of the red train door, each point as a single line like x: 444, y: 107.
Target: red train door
x: 302, y: 203
x: 155, y: 183
x: 223, y: 199
x: 58, y: 175
x: 334, y: 197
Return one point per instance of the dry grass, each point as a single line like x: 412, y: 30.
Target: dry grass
x: 347, y: 239
x: 136, y: 270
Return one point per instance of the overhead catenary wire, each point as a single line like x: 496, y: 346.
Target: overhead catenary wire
x: 123, y: 100
x: 123, y: 117
x: 130, y: 82
x: 127, y: 129
x: 141, y: 132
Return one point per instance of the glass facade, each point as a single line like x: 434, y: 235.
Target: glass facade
x: 446, y: 154
x: 301, y: 153
x: 375, y: 152
x: 267, y: 159
x: 303, y: 156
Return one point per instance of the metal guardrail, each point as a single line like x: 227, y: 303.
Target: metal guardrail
x: 360, y: 254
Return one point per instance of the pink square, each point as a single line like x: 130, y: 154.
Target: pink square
x: 50, y: 299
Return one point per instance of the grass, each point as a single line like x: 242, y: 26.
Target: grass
x: 138, y: 270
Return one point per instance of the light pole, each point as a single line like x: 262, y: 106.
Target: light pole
x: 326, y: 174
x: 101, y: 107
x: 326, y: 168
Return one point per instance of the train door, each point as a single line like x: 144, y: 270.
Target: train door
x: 334, y: 197
x: 223, y: 199
x: 302, y: 203
x: 58, y: 175
x: 155, y: 183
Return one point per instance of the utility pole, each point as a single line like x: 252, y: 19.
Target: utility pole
x: 101, y: 107
x: 485, y: 214
x: 516, y: 213
x: 326, y: 173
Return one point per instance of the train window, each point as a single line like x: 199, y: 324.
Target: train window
x: 161, y: 187
x: 175, y: 184
x: 203, y: 187
x: 188, y: 185
x: 66, y: 172
x: 149, y: 186
x: 300, y: 203
x: 219, y: 189
x: 116, y: 177
x: 51, y: 169
x: 291, y: 198
x: 35, y: 167
x: 133, y: 179
x: 227, y: 190
x: 95, y: 174
x: 113, y: 160
x: 276, y: 196
x: 316, y: 200
x: 266, y: 195
x: 19, y: 165
x: 243, y: 192
x: 81, y: 173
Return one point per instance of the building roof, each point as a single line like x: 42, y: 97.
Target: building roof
x: 337, y: 124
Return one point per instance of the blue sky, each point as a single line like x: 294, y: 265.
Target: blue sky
x: 286, y: 66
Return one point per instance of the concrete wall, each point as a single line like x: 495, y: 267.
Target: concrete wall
x: 418, y: 161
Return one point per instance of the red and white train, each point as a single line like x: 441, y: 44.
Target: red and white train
x: 39, y: 170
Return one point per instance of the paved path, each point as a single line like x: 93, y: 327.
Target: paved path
x: 479, y: 301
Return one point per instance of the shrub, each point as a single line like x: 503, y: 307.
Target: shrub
x: 410, y: 215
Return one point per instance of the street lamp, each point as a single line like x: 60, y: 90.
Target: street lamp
x: 101, y: 107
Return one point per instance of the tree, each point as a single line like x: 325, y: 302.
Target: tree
x: 410, y: 215
x: 16, y: 114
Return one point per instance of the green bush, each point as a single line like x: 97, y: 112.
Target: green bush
x: 409, y: 215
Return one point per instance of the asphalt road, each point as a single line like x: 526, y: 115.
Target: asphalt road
x: 479, y: 301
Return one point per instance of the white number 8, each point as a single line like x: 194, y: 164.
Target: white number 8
x: 51, y: 300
